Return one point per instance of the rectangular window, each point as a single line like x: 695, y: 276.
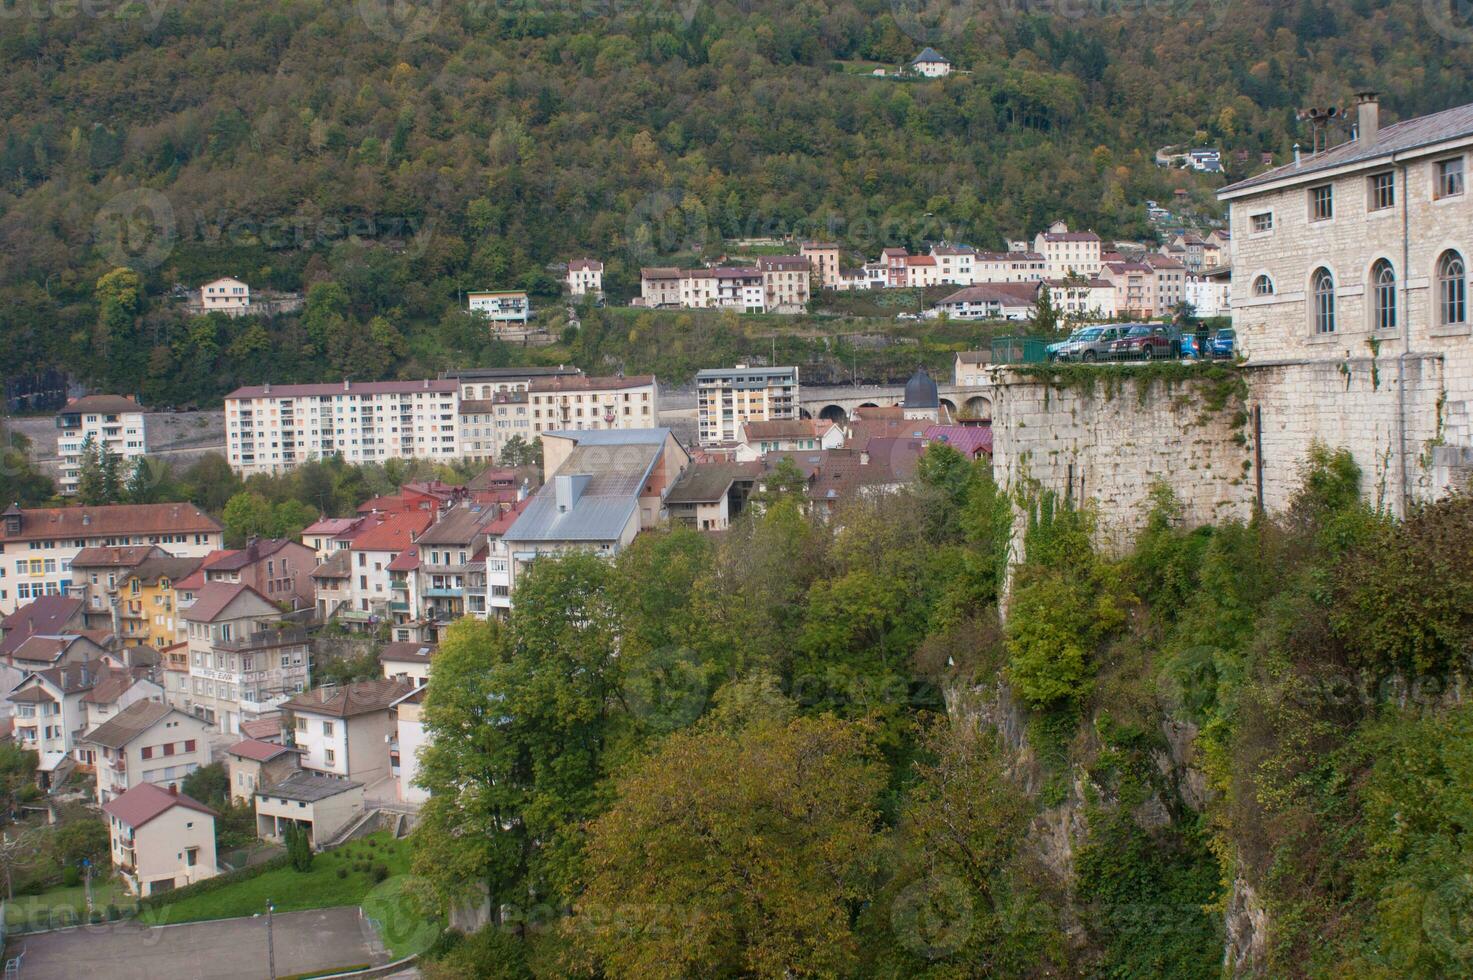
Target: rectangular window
x: 1449, y: 177
x: 327, y: 728
x: 330, y: 756
x: 1382, y: 191
x: 1321, y: 203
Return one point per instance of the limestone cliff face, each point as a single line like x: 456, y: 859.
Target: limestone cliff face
x: 1060, y: 830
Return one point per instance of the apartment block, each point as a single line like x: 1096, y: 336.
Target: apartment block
x: 1068, y: 253
x: 727, y: 398
x: 244, y: 658
x: 38, y: 545
x: 272, y: 428
x: 112, y: 422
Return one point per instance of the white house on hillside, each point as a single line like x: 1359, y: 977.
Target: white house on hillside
x: 160, y: 839
x: 931, y: 64
x: 228, y: 295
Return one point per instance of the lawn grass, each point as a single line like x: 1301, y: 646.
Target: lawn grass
x: 295, y: 891
x: 26, y: 908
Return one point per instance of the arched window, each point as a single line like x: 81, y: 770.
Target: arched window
x: 1452, y: 289
x: 1383, y: 296
x: 1324, y: 301
x: 1263, y: 286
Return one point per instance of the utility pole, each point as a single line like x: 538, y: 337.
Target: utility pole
x: 87, y: 883
x: 270, y: 943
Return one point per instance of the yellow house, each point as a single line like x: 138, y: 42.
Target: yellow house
x: 146, y: 602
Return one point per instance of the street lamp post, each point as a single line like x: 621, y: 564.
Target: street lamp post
x: 270, y: 940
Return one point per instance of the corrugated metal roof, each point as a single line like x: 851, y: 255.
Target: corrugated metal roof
x: 617, y: 463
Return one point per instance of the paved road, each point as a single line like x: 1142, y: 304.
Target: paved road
x: 231, y: 949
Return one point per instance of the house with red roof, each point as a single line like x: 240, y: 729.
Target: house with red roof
x: 146, y: 742
x: 368, y: 594
x: 256, y: 765
x: 278, y: 568
x: 160, y: 838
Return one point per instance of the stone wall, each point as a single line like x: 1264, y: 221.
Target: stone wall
x: 1106, y: 443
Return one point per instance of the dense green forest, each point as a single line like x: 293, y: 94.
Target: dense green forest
x: 819, y: 751
x: 385, y: 165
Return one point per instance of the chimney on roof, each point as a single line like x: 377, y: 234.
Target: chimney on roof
x: 1368, y: 116
x: 173, y: 789
x: 1296, y: 154
x: 347, y: 384
x: 267, y: 389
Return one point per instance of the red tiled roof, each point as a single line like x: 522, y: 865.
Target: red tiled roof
x: 214, y: 597
x: 544, y: 385
x: 406, y: 561
x: 45, y: 616
x: 394, y: 534
x: 969, y: 440
x: 585, y: 265
x: 347, y: 700
x: 146, y: 801
x: 257, y: 750
x: 109, y: 404
x: 446, y: 386
x: 111, y: 520
x: 262, y: 729
x: 127, y: 556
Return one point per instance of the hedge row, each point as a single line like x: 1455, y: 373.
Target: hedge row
x: 212, y: 884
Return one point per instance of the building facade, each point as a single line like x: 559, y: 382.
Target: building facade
x: 585, y: 277
x: 38, y: 545
x: 272, y: 428
x: 727, y: 398
x: 111, y: 422
x: 244, y: 658
x: 1350, y: 279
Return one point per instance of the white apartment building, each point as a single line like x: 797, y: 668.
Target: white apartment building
x: 228, y: 295
x: 585, y: 277
x: 1350, y: 301
x: 501, y: 306
x: 37, y: 545
x: 1068, y: 253
x: 727, y: 398
x: 740, y: 289
x: 146, y: 742
x: 955, y: 264
x: 244, y: 660
x: 112, y: 422
x: 272, y: 428
x: 993, y: 267
x: 1210, y: 291
x: 345, y: 730
x: 1083, y: 299
x: 160, y: 839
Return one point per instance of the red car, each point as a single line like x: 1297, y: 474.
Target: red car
x: 1141, y: 343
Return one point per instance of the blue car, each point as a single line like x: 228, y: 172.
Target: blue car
x: 1224, y: 343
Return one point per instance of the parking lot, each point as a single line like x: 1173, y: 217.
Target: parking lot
x: 230, y: 949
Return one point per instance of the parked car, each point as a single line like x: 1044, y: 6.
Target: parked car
x: 1144, y: 342
x: 1093, y: 343
x: 1224, y: 343
x: 1051, y: 352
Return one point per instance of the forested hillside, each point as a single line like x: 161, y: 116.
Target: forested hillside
x: 397, y: 162
x: 819, y: 751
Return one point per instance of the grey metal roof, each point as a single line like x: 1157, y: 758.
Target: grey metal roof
x: 1395, y: 138
x: 616, y: 464
x: 613, y: 437
x: 307, y: 787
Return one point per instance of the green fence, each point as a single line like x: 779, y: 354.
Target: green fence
x: 1018, y: 350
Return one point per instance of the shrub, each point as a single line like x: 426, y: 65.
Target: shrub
x: 342, y: 872
x: 71, y: 877
x: 380, y: 872
x: 299, y: 849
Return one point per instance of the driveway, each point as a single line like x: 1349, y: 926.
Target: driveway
x: 228, y: 949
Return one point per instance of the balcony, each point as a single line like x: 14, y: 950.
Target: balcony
x: 444, y: 593
x: 354, y: 615
x: 399, y: 607
x: 265, y: 640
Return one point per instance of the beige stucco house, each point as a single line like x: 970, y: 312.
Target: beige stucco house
x: 160, y: 839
